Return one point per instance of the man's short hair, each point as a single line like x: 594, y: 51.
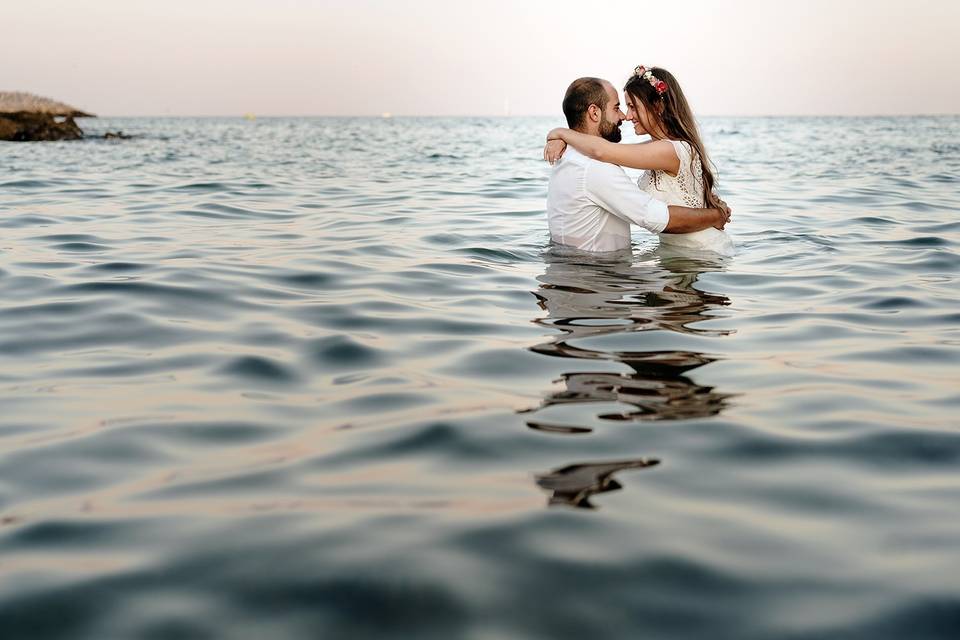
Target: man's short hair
x: 582, y: 93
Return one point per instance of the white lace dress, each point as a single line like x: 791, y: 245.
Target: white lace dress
x: 686, y: 190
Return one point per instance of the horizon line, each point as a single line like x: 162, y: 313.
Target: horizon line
x: 391, y: 116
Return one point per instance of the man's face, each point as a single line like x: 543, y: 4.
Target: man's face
x: 611, y: 117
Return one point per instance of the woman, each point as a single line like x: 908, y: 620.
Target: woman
x: 678, y: 170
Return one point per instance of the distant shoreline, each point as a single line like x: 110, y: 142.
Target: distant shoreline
x: 240, y: 116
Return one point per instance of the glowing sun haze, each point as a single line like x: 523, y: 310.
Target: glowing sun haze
x: 365, y: 57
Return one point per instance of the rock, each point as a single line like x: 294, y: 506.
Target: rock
x: 27, y: 117
x: 119, y: 135
x: 23, y: 127
x: 8, y: 129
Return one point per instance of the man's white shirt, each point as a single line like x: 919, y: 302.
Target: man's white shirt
x: 591, y: 204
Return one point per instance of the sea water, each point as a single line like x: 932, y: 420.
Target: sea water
x: 304, y: 378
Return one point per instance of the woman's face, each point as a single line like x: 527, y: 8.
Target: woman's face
x: 638, y: 115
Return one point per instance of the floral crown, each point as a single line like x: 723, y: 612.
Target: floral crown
x: 655, y: 82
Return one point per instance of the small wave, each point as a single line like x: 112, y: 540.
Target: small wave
x: 445, y: 239
x: 69, y: 237
x: 118, y: 267
x: 454, y: 268
x: 342, y: 352
x: 946, y: 148
x: 486, y: 254
x: 49, y: 309
x: 228, y: 212
x: 919, y: 241
x: 940, y: 229
x: 206, y: 187
x: 28, y: 184
x: 874, y: 220
x: 258, y: 368
x: 895, y: 302
x: 212, y: 433
x: 202, y: 295
x: 28, y: 220
x: 306, y: 280
x: 441, y: 438
x: 80, y: 246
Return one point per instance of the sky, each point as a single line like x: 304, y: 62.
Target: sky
x: 432, y: 57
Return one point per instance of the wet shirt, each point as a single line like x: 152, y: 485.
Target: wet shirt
x: 591, y: 205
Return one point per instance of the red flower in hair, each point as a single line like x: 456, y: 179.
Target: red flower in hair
x: 645, y: 74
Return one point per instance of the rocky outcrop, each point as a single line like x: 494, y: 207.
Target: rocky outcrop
x: 24, y: 127
x: 8, y: 129
x: 26, y: 117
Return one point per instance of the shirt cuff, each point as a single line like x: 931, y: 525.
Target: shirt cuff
x: 659, y: 215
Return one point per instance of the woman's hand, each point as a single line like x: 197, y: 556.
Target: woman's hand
x: 724, y: 215
x: 554, y: 150
x: 725, y: 212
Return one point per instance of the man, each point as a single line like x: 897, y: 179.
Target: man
x: 591, y: 204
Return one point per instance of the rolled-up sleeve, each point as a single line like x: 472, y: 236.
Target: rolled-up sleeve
x: 609, y: 187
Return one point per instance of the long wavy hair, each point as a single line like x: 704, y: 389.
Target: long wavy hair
x: 671, y: 113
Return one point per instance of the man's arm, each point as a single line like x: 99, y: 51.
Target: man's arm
x: 687, y: 220
x: 610, y: 187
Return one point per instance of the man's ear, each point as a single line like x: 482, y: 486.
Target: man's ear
x: 593, y: 111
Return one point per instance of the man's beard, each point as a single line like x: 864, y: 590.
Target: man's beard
x: 609, y: 130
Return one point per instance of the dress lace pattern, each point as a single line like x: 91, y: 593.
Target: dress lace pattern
x: 685, y: 189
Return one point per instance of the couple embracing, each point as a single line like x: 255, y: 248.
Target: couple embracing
x: 591, y: 201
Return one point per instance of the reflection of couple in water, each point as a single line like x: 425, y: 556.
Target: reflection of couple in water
x: 587, y: 296
x: 591, y: 288
x: 591, y: 201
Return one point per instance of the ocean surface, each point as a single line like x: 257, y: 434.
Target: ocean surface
x: 326, y: 378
